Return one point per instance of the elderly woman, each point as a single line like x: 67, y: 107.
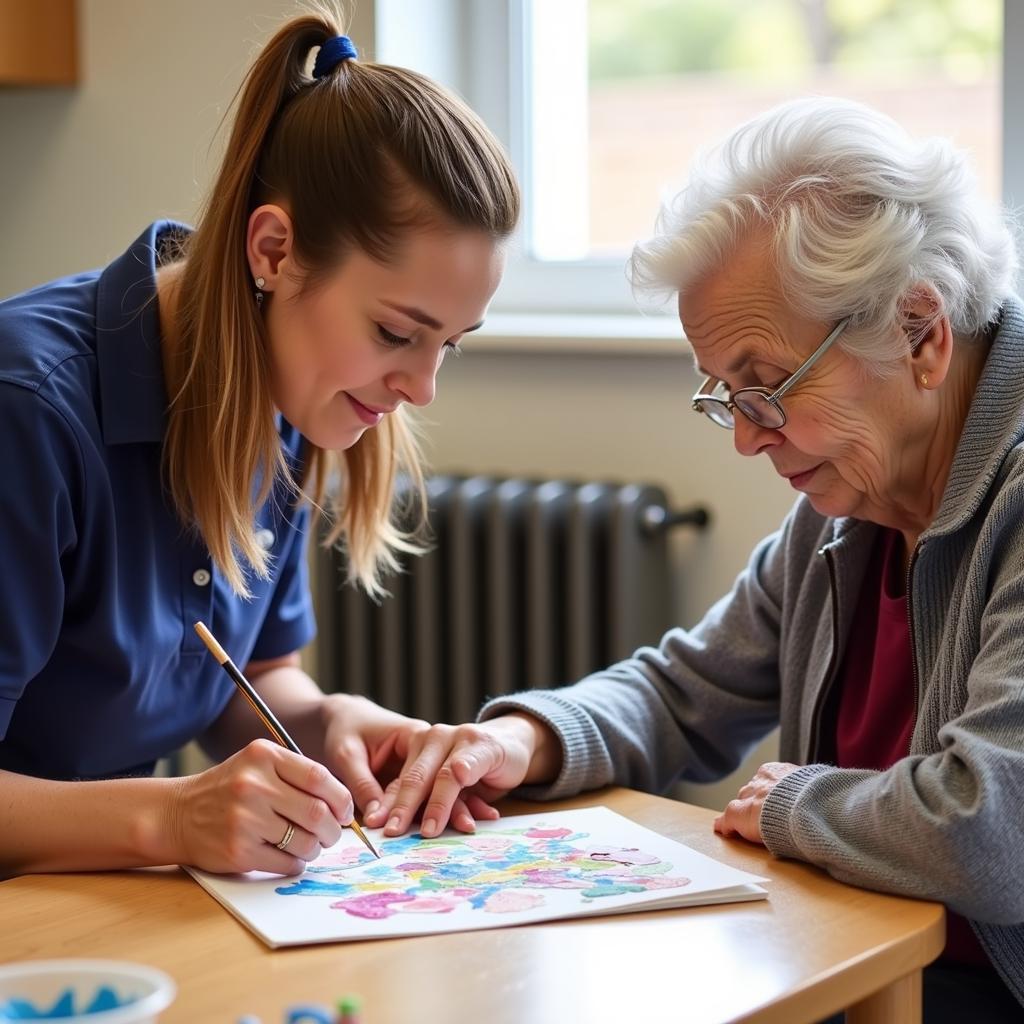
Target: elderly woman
x: 848, y: 299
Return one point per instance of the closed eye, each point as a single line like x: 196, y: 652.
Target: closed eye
x: 398, y: 340
x: 390, y: 338
x: 766, y: 381
x: 771, y: 376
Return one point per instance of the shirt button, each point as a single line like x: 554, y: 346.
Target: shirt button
x: 265, y: 539
x: 201, y: 577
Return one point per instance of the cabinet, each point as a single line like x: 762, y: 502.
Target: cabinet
x: 38, y: 42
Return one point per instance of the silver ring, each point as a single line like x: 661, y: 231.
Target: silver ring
x: 288, y: 833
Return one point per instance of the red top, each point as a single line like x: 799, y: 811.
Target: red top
x: 876, y: 698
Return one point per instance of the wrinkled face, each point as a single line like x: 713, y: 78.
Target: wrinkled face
x: 372, y: 336
x: 848, y: 434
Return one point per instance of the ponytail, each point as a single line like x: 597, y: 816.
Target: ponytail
x: 349, y: 152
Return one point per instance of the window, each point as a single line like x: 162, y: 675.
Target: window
x: 604, y: 102
x: 663, y: 79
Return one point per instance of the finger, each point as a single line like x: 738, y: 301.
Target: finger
x: 380, y: 815
x: 407, y: 748
x: 312, y: 798
x: 355, y: 768
x: 415, y: 781
x: 461, y: 818
x: 488, y: 793
x: 474, y: 760
x: 741, y: 818
x: 464, y: 768
x: 726, y: 825
x: 301, y: 844
x: 268, y: 858
x: 315, y: 779
x: 731, y: 818
x: 480, y: 808
x: 309, y: 814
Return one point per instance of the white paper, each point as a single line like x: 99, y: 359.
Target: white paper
x: 536, y: 867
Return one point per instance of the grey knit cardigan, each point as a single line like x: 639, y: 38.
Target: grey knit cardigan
x: 944, y: 823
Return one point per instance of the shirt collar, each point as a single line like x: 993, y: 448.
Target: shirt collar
x: 133, y: 396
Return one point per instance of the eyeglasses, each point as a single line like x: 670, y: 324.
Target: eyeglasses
x: 760, y: 405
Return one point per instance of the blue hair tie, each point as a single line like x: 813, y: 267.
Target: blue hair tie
x: 332, y: 53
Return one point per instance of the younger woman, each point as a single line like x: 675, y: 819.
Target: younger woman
x: 165, y: 420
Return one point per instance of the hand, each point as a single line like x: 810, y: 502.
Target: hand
x: 363, y: 744
x: 742, y: 816
x: 230, y: 817
x: 460, y: 770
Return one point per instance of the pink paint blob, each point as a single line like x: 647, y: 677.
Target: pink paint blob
x: 511, y: 900
x: 660, y: 882
x: 347, y: 857
x: 429, y: 905
x: 552, y: 878
x: 372, y: 906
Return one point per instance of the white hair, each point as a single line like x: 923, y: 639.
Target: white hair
x: 860, y: 216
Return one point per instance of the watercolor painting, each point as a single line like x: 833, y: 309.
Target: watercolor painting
x: 511, y: 871
x: 503, y: 871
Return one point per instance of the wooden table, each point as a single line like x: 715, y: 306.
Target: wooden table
x: 813, y: 947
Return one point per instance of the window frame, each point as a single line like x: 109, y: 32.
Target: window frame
x: 477, y: 47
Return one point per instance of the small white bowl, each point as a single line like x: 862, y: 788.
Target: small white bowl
x: 142, y: 992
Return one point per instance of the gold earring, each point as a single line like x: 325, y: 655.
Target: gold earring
x: 924, y: 380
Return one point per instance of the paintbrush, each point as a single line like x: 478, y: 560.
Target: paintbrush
x: 276, y: 729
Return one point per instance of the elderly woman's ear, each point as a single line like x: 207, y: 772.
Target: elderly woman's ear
x: 929, y: 334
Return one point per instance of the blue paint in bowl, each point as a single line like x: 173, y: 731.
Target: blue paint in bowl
x: 83, y: 992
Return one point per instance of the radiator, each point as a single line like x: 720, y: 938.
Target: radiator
x: 526, y: 584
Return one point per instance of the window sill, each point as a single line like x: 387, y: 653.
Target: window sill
x: 558, y: 333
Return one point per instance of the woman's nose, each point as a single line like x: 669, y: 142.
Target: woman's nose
x: 416, y: 381
x: 750, y: 438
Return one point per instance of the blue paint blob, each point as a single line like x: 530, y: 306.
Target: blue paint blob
x: 458, y: 871
x: 480, y: 898
x: 105, y: 998
x: 311, y: 887
x: 391, y: 847
x: 65, y: 1005
x: 18, y: 1009
x: 608, y: 888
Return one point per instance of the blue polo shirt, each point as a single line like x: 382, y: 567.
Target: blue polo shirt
x: 101, y: 672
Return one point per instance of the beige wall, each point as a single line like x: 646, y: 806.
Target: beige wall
x: 84, y: 170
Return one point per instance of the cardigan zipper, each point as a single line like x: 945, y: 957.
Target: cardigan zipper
x: 910, y: 627
x: 830, y: 672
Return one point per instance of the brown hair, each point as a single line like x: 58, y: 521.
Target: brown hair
x: 360, y: 155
